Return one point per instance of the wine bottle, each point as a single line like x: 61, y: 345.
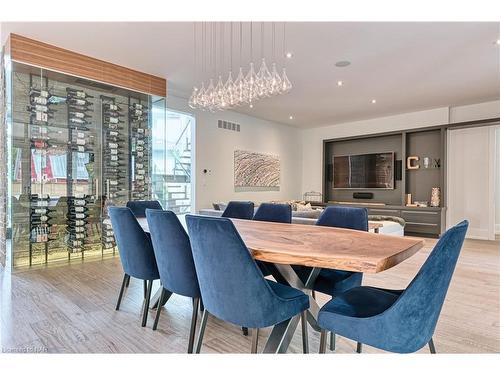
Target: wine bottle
x: 78, y: 114
x: 77, y: 223
x: 77, y: 93
x: 80, y: 102
x: 75, y: 243
x: 39, y: 100
x: 39, y: 92
x: 112, y: 120
x: 78, y: 121
x: 112, y: 107
x: 78, y: 148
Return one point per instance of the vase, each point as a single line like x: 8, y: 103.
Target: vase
x: 435, y: 197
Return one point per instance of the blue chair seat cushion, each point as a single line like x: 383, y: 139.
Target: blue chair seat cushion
x: 331, y: 282
x: 296, y: 300
x: 360, y: 302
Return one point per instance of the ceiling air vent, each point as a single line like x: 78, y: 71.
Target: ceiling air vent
x: 228, y: 125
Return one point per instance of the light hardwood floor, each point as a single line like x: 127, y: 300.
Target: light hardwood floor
x: 70, y: 309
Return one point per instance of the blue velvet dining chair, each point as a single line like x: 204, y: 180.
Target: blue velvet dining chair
x: 397, y: 321
x: 334, y: 282
x: 273, y: 212
x: 276, y: 213
x: 139, y: 207
x: 136, y: 253
x: 175, y: 263
x: 239, y: 210
x: 233, y: 287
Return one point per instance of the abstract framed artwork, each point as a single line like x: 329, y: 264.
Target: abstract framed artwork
x: 253, y: 169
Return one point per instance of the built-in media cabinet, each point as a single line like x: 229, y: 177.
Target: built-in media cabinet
x: 418, y: 168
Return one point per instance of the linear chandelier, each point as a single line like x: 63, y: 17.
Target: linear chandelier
x: 247, y: 87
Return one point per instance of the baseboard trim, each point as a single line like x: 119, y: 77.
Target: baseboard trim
x: 477, y: 234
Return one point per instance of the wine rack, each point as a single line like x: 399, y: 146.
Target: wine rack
x: 80, y: 109
x: 40, y: 112
x: 115, y: 161
x: 75, y: 147
x: 139, y: 149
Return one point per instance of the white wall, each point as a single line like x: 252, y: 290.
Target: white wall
x: 214, y: 150
x: 497, y: 186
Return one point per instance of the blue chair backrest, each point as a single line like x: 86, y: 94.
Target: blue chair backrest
x: 344, y: 217
x: 278, y: 213
x: 239, y: 210
x: 413, y: 317
x: 173, y: 253
x: 136, y: 251
x: 232, y: 286
x: 139, y: 207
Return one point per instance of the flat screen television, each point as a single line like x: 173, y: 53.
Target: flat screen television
x: 366, y: 171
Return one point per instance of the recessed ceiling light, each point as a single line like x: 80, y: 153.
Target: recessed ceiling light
x: 374, y: 101
x: 497, y: 42
x: 289, y: 55
x: 340, y: 83
x: 291, y: 117
x: 342, y: 64
x: 251, y: 105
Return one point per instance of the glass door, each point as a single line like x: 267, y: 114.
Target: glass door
x: 173, y: 160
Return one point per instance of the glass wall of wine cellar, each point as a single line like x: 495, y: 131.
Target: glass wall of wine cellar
x: 75, y: 147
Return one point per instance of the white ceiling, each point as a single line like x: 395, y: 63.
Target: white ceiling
x: 404, y: 66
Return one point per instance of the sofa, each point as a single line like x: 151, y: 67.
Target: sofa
x: 308, y: 216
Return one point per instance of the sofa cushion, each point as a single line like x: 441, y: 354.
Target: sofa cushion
x: 310, y: 214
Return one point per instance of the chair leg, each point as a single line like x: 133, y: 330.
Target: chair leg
x: 245, y: 331
x: 128, y: 282
x: 202, y: 306
x: 432, y: 348
x: 192, y: 331
x: 313, y: 294
x: 146, y: 302
x: 158, y: 310
x: 322, y: 342
x: 203, y: 325
x: 359, y: 347
x: 305, y: 338
x: 332, y: 341
x: 255, y: 340
x: 126, y: 279
x: 145, y: 288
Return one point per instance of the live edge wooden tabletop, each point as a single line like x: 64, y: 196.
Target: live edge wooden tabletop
x: 325, y: 247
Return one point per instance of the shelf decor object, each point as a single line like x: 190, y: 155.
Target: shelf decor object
x: 410, y: 162
x: 436, y: 197
x: 246, y: 88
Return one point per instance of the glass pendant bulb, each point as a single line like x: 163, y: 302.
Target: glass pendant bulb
x: 193, y: 100
x: 263, y: 79
x: 250, y: 85
x: 220, y: 95
x: 240, y: 88
x: 229, y: 89
x: 210, y: 95
x: 201, y: 98
x: 275, y: 82
x: 286, y: 85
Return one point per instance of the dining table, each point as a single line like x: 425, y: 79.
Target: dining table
x: 318, y: 247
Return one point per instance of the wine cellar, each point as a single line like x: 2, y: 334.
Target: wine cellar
x: 76, y: 147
